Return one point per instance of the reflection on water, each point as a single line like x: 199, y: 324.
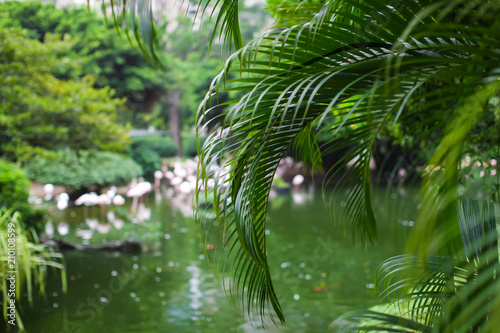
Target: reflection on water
x: 194, y: 287
x: 319, y: 273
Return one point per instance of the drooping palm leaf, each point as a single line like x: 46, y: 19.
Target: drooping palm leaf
x: 137, y: 18
x: 297, y: 77
x: 441, y: 294
x: 31, y: 263
x: 226, y: 20
x: 360, y: 63
x: 371, y: 321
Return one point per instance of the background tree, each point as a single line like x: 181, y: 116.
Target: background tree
x: 40, y: 112
x: 98, y: 51
x: 115, y: 62
x: 14, y: 193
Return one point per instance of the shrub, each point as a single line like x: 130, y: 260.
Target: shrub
x: 149, y: 150
x: 190, y: 148
x: 164, y: 146
x: 14, y: 192
x: 83, y: 169
x: 148, y: 159
x: 14, y: 186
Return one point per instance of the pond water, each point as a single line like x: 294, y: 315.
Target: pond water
x: 318, y: 272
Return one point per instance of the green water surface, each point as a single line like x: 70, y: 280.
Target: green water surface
x: 318, y: 272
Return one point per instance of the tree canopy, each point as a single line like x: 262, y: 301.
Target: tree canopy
x: 40, y: 112
x: 112, y: 60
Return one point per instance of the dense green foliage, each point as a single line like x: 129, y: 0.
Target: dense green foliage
x: 116, y: 63
x: 190, y: 146
x: 14, y: 193
x: 164, y: 146
x: 40, y: 112
x: 148, y: 152
x: 82, y: 169
x: 14, y: 186
x: 98, y: 50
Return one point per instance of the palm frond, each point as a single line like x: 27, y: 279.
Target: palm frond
x: 359, y: 65
x: 291, y: 84
x: 371, y: 321
x: 419, y: 286
x: 135, y: 19
x: 226, y: 20
x: 442, y: 294
x: 29, y: 265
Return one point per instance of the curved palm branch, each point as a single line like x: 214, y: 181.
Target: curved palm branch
x: 360, y: 64
x: 137, y: 16
x: 371, y: 321
x: 134, y: 18
x: 440, y: 294
x: 363, y: 65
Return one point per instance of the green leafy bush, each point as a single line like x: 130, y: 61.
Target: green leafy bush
x: 164, y: 146
x: 148, y: 159
x: 14, y: 192
x: 190, y: 148
x: 14, y: 186
x: 149, y: 150
x: 40, y: 112
x: 83, y: 169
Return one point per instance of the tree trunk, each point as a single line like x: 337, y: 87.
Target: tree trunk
x: 173, y: 98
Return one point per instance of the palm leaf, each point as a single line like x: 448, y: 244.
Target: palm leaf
x: 375, y: 322
x: 445, y: 294
x: 297, y: 77
x: 136, y: 20
x: 362, y: 64
x: 31, y: 262
x: 226, y: 20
